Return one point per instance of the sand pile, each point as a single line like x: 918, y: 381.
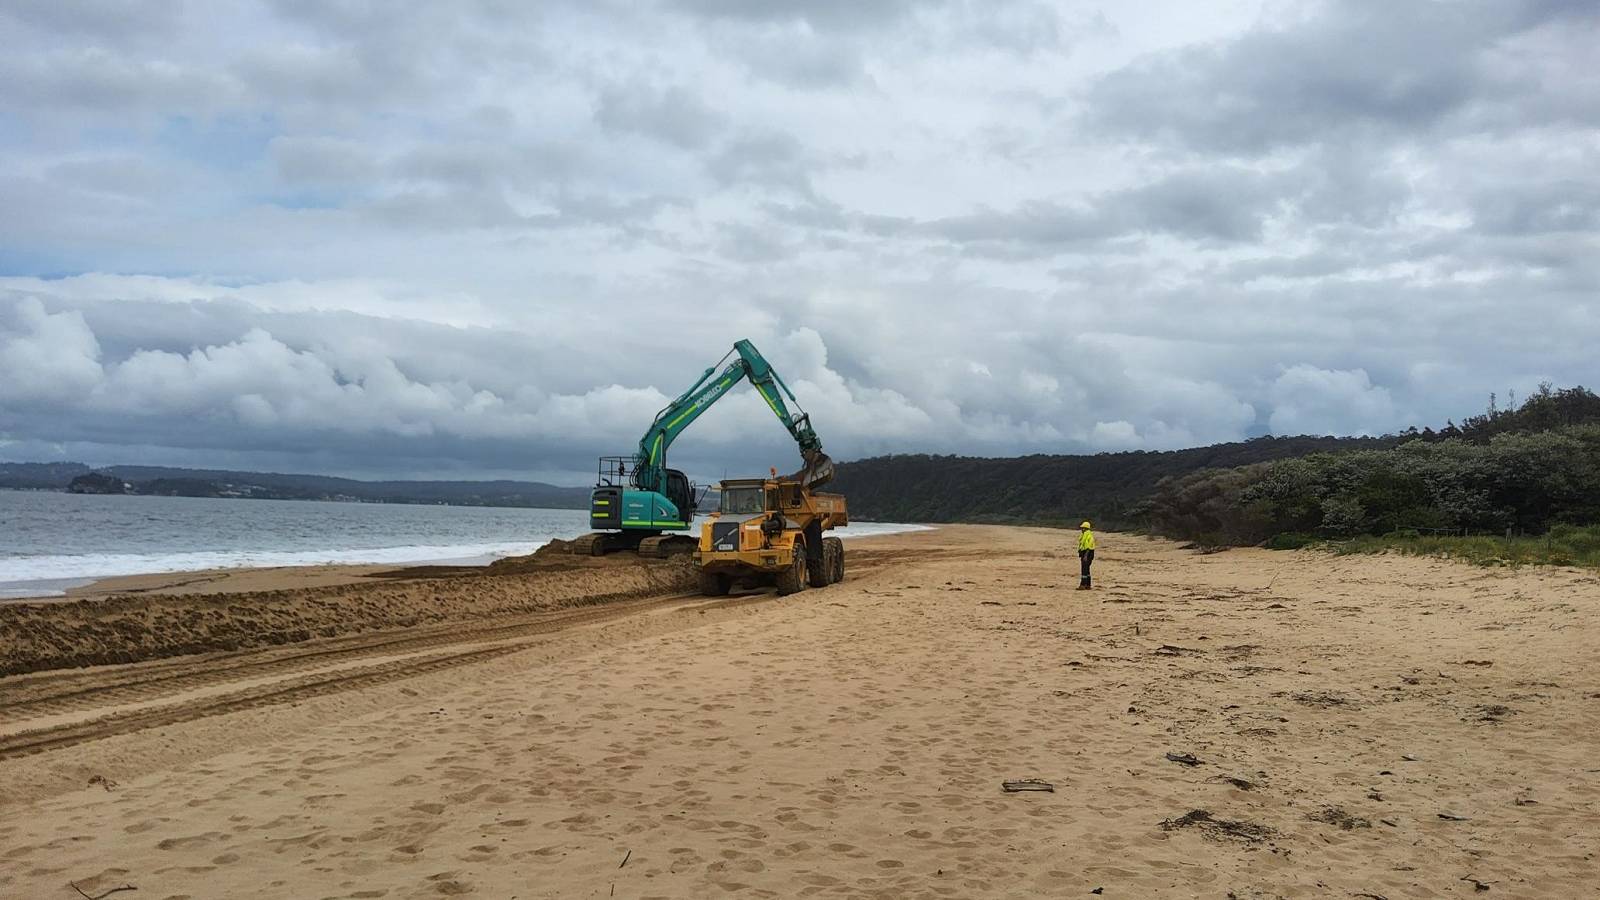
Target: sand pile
x: 558, y: 556
x: 130, y: 628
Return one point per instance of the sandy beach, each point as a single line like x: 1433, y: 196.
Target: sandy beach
x: 1244, y: 724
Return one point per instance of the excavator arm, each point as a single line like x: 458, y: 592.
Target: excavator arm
x: 650, y: 460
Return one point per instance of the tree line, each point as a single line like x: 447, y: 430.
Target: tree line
x: 1509, y: 471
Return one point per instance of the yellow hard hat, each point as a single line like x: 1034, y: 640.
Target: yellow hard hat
x: 1084, y: 525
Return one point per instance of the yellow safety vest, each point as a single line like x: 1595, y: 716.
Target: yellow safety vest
x: 1086, y: 540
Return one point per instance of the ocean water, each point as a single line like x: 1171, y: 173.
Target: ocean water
x: 52, y: 541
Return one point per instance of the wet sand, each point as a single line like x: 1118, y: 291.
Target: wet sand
x: 1247, y: 723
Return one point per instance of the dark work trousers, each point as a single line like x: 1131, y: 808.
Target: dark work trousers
x: 1086, y: 558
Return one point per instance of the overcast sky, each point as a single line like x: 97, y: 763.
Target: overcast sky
x: 492, y: 238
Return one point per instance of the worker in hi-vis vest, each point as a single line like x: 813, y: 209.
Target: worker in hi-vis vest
x: 1085, y: 554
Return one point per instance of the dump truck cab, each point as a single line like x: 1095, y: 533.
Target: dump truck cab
x: 770, y: 531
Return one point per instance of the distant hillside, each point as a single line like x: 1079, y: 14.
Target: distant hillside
x: 40, y: 476
x: 1107, y: 487
x: 1116, y: 490
x: 166, y: 481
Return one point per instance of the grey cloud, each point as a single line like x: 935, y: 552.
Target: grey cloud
x: 800, y: 57
x: 672, y: 115
x: 95, y: 79
x: 745, y: 243
x: 606, y: 210
x: 820, y: 14
x: 1224, y: 203
x: 448, y: 209
x: 1220, y: 204
x: 325, y: 75
x: 116, y: 175
x: 477, y: 164
x: 772, y: 158
x: 1351, y: 70
x: 1033, y: 223
x: 1539, y: 208
x: 322, y: 160
x: 818, y: 46
x: 101, y: 18
x: 820, y: 214
x: 1020, y: 27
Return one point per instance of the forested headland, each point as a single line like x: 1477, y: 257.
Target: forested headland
x: 1523, y: 469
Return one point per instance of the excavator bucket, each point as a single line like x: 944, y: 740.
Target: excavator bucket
x: 817, y: 471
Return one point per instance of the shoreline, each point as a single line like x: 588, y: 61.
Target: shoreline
x: 149, y: 579
x: 237, y: 578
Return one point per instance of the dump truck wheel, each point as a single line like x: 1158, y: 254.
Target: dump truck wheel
x: 829, y: 561
x: 793, y: 579
x: 819, y: 571
x: 836, y: 559
x: 713, y: 584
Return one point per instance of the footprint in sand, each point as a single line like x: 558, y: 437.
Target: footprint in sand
x: 450, y: 884
x: 142, y: 827
x: 198, y: 840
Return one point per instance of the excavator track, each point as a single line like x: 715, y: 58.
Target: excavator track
x: 599, y: 543
x: 591, y: 544
x: 662, y: 546
x: 655, y: 546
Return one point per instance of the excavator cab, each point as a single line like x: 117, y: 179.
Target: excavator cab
x: 680, y: 490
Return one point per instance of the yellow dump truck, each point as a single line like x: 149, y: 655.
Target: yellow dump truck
x: 769, y: 531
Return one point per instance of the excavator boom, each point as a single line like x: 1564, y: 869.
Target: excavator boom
x: 650, y: 460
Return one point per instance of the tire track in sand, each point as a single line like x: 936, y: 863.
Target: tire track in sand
x: 76, y: 706
x: 63, y: 690
x: 158, y: 705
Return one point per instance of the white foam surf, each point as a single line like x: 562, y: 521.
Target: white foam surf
x: 20, y: 575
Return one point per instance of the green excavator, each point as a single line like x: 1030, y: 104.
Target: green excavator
x: 638, y: 502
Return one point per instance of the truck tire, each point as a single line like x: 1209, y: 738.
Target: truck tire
x: 713, y: 584
x: 793, y: 579
x: 819, y: 571
x: 836, y: 562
